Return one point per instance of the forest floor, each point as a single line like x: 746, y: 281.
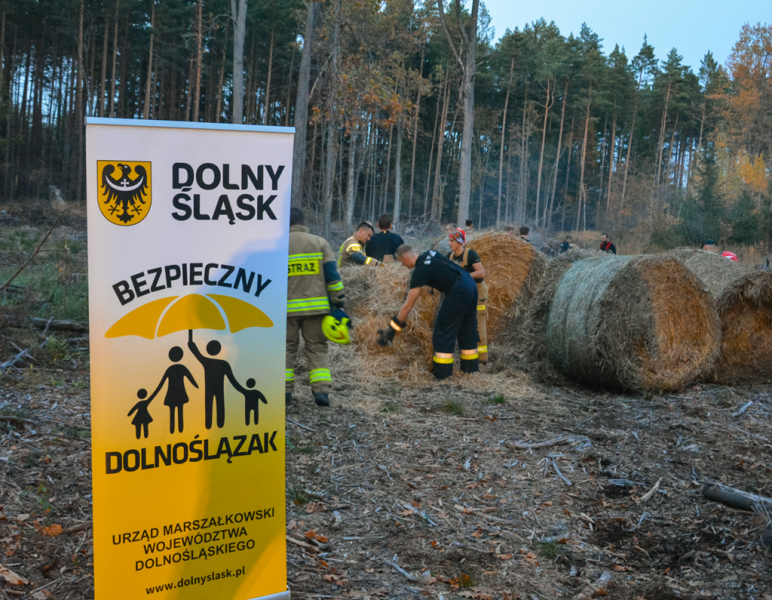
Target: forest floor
x: 432, y: 491
x: 409, y: 488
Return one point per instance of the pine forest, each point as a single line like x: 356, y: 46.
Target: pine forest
x: 413, y: 108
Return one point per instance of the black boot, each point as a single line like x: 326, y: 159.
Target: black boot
x: 287, y: 397
x: 442, y: 370
x: 322, y: 399
x: 470, y: 365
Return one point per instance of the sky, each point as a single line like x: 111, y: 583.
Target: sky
x: 691, y: 26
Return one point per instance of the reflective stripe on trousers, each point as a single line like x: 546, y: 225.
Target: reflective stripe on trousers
x: 319, y: 375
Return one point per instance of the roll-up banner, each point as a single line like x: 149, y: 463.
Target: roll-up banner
x: 188, y: 239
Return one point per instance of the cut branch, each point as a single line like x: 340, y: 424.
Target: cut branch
x: 734, y: 498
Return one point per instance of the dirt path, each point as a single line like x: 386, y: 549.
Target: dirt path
x: 433, y: 491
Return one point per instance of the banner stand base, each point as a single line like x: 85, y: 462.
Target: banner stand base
x: 279, y: 596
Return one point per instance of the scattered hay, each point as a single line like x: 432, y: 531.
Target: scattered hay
x: 641, y: 322
x: 373, y: 297
x: 513, y: 270
x: 743, y: 299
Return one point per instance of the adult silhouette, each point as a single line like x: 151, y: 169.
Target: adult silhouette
x: 215, y: 372
x: 176, y: 395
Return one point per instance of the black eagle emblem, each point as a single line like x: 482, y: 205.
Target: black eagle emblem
x: 124, y: 192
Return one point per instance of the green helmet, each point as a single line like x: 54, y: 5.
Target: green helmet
x: 335, y: 327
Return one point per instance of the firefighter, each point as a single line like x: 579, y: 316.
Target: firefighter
x: 352, y: 252
x: 456, y: 318
x: 314, y: 288
x: 469, y: 260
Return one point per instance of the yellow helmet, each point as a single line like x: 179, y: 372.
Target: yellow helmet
x: 335, y: 327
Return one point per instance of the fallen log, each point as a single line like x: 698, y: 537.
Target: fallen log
x: 734, y: 498
x: 21, y: 421
x: 46, y: 324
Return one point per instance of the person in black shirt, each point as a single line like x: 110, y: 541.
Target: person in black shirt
x: 383, y: 245
x: 457, y: 316
x: 470, y: 261
x: 606, y: 245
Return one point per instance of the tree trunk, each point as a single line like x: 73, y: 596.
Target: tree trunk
x: 611, y: 161
x: 385, y: 187
x: 149, y: 80
x: 111, y: 111
x: 437, y: 112
x: 582, y: 195
x: 501, y: 150
x: 547, y: 105
x: 122, y: 104
x: 557, y: 157
x: 603, y: 148
x: 289, y: 89
x: 239, y: 17
x: 521, y: 187
x: 197, y: 93
x: 351, y: 181
x: 437, y: 198
x: 332, y: 129
x: 103, y: 82
x: 398, y: 177
x: 301, y: 106
x: 670, y: 152
x: 468, y: 67
x: 268, y: 82
x: 415, y: 140
x: 661, y: 142
x: 79, y: 107
x: 329, y: 173
x: 218, y: 114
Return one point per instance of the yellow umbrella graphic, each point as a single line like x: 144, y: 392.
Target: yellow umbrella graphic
x: 193, y: 311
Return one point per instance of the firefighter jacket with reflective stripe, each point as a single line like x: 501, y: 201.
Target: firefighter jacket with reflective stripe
x: 352, y: 252
x: 482, y: 287
x: 313, y: 280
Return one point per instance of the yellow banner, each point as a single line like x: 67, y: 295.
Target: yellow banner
x: 188, y: 305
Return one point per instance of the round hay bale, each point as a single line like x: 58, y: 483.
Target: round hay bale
x: 513, y: 269
x: 636, y: 322
x: 373, y: 297
x: 743, y: 298
x: 525, y: 335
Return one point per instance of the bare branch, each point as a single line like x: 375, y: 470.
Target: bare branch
x: 447, y: 34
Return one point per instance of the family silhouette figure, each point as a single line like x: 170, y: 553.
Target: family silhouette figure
x: 216, y: 371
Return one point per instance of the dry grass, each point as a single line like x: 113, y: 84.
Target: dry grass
x: 743, y: 298
x: 373, y: 297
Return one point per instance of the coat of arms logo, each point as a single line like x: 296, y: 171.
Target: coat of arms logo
x: 125, y: 191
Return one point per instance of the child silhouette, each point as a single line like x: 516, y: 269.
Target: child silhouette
x: 252, y: 400
x: 142, y: 419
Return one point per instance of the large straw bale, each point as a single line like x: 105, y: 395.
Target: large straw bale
x: 525, y: 335
x: 743, y: 299
x: 513, y: 269
x: 635, y: 322
x: 373, y: 297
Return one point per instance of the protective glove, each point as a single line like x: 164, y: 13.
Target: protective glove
x: 386, y: 336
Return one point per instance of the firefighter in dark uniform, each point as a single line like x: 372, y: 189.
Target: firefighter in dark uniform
x: 469, y: 260
x: 455, y: 320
